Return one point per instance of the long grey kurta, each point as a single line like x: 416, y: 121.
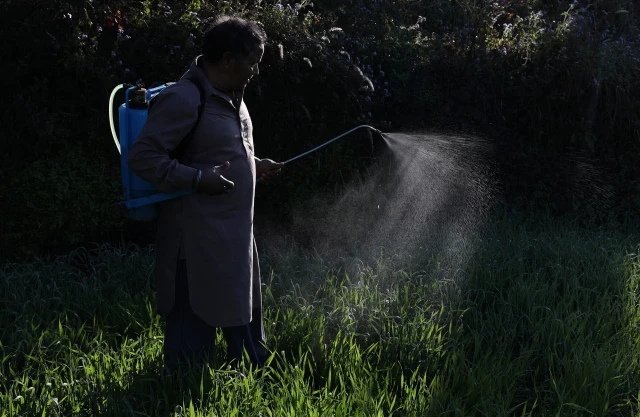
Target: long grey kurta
x: 213, y: 233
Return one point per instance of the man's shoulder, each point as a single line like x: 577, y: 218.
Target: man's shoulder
x: 183, y: 92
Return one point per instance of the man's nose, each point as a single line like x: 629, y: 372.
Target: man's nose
x: 256, y: 70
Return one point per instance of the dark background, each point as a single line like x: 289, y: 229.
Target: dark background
x: 553, y: 85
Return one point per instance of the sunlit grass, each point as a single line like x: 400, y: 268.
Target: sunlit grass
x: 543, y: 320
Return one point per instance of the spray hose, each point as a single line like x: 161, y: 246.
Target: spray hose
x: 329, y: 141
x: 138, y: 202
x: 113, y: 129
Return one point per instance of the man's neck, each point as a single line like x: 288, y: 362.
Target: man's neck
x: 214, y: 77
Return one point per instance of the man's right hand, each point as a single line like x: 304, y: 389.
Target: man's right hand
x: 212, y: 181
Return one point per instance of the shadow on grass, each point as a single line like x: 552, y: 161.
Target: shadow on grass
x: 549, y: 321
x: 541, y: 319
x: 80, y: 335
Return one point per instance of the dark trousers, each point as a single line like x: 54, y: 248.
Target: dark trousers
x: 188, y: 338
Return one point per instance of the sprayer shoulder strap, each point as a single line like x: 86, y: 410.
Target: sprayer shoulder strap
x: 179, y: 150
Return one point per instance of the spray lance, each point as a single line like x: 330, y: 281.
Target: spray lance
x: 140, y: 197
x: 331, y: 140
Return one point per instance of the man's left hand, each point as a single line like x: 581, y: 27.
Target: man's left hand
x: 267, y: 169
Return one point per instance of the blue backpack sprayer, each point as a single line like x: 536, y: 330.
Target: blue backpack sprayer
x: 141, y: 197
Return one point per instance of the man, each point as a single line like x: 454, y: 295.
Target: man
x: 207, y: 273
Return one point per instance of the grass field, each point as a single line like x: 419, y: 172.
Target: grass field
x: 543, y: 319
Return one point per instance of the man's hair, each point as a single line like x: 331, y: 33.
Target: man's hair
x: 231, y: 34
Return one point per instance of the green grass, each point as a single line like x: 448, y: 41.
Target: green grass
x: 542, y: 320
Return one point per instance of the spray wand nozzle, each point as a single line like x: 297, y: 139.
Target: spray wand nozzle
x: 331, y: 140
x: 328, y: 142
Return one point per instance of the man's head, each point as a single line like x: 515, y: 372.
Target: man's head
x: 233, y: 47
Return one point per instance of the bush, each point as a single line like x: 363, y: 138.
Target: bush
x: 82, y: 50
x: 60, y: 203
x: 553, y: 83
x: 550, y: 82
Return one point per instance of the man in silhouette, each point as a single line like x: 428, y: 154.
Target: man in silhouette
x: 207, y: 272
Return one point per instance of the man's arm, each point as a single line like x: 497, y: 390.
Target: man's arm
x: 168, y: 123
